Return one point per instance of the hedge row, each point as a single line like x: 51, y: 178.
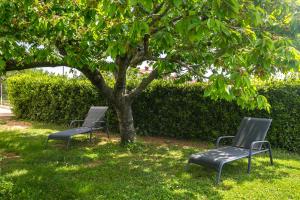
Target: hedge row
x: 41, y: 97
x: 164, y: 109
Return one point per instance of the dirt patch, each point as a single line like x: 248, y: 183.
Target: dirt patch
x: 15, y: 123
x: 10, y: 155
x: 9, y: 123
x: 172, y: 141
x: 93, y: 164
x: 101, y: 138
x: 160, y: 141
x: 5, y: 118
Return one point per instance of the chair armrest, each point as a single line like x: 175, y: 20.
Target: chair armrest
x: 222, y: 137
x: 74, y: 121
x: 259, y: 142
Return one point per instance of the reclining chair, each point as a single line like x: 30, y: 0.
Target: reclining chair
x: 247, y: 142
x: 92, y: 122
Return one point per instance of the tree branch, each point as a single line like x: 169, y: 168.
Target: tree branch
x: 143, y: 85
x: 94, y: 76
x: 97, y: 80
x: 120, y: 85
x: 142, y: 8
x: 12, y: 65
x: 172, y: 21
x: 156, y: 18
x: 158, y: 7
x: 190, y: 67
x: 155, y: 11
x: 139, y: 58
x: 146, y: 44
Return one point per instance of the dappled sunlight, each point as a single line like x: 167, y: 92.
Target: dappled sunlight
x: 290, y: 164
x: 181, y: 192
x: 147, y: 170
x: 91, y: 155
x: 18, y: 172
x: 104, y: 169
x: 121, y: 155
x: 228, y: 184
x: 68, y: 168
x: 86, y: 188
x: 185, y: 176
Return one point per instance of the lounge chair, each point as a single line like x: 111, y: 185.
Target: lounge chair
x: 247, y: 142
x: 92, y: 122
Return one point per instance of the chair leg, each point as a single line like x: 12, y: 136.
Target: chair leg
x: 219, y: 173
x: 271, y: 157
x: 90, y: 137
x: 107, y: 132
x: 46, y: 144
x: 249, y: 164
x: 187, y: 166
x: 68, y: 143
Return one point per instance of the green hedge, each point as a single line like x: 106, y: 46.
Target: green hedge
x: 41, y: 97
x: 164, y: 109
x: 182, y: 111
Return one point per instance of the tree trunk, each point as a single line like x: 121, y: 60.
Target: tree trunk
x: 126, y: 125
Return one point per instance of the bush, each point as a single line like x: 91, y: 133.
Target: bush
x: 164, y: 109
x: 42, y: 97
x: 182, y: 111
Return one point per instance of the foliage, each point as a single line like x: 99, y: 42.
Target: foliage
x: 164, y: 109
x: 182, y: 111
x: 104, y: 170
x: 37, y: 96
x: 233, y: 39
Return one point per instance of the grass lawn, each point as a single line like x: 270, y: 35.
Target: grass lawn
x: 105, y: 170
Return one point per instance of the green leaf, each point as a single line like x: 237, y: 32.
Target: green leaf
x: 147, y: 4
x: 177, y: 3
x: 181, y: 26
x: 2, y: 64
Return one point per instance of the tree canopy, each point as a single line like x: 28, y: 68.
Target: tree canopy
x: 230, y: 40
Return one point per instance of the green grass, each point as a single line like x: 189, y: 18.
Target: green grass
x: 140, y: 171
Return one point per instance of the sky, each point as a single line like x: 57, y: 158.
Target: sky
x: 67, y: 70
x: 61, y: 70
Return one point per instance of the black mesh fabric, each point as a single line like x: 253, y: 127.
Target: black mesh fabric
x: 215, y: 157
x: 64, y: 135
x: 96, y: 113
x: 251, y: 129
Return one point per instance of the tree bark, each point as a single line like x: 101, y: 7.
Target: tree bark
x: 126, y: 125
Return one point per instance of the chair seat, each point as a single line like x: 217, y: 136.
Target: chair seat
x: 65, y: 135
x: 215, y: 157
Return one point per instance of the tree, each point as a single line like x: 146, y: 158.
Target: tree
x: 233, y: 40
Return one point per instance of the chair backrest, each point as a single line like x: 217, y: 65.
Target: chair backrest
x: 251, y: 129
x: 96, y: 113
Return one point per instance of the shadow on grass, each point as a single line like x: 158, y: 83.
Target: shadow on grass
x: 108, y: 171
x: 53, y: 127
